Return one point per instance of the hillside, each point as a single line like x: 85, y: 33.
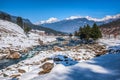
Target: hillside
x: 10, y: 28
x: 112, y: 28
x: 28, y: 23
x: 12, y: 36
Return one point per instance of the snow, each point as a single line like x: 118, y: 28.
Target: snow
x: 45, y: 39
x: 50, y: 20
x: 106, y: 67
x: 14, y: 37
x: 107, y: 17
x: 11, y: 26
x: 32, y: 65
x: 73, y: 17
x: 110, y: 42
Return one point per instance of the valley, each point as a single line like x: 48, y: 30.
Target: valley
x: 37, y: 52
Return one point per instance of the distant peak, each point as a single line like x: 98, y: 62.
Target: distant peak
x: 95, y: 19
x: 108, y: 17
x: 53, y: 19
x: 50, y: 20
x: 73, y: 17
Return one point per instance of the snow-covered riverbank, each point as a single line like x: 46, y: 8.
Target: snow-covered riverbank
x: 106, y: 67
x: 65, y: 55
x: 60, y: 56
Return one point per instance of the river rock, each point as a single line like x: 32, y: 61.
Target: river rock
x: 56, y: 48
x: 15, y: 75
x: 46, y: 59
x: 14, y: 55
x: 21, y: 71
x: 47, y: 67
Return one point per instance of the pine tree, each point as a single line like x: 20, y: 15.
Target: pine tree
x: 82, y: 33
x: 95, y: 32
x: 87, y: 32
x: 20, y: 21
x: 26, y: 28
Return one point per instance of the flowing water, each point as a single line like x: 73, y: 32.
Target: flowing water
x: 7, y: 62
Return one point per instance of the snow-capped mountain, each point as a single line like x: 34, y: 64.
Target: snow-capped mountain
x: 106, y: 18
x: 70, y: 25
x: 74, y: 22
x: 50, y: 20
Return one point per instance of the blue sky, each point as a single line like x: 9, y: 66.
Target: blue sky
x: 37, y: 10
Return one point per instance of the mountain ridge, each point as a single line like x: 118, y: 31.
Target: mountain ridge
x: 53, y: 19
x: 72, y: 24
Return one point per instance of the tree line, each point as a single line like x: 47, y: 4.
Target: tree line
x: 23, y: 25
x: 88, y: 32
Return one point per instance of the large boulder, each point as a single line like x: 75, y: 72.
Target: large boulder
x: 47, y: 67
x: 14, y: 55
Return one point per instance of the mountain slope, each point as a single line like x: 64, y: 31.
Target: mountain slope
x: 13, y: 37
x: 111, y: 28
x: 69, y: 25
x: 9, y: 27
x: 11, y: 18
x: 49, y: 31
x: 72, y: 24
